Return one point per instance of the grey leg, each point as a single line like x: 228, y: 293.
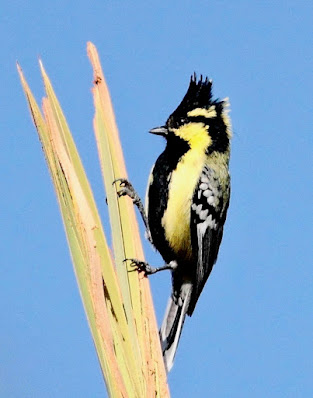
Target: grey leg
x: 128, y: 190
x: 142, y: 266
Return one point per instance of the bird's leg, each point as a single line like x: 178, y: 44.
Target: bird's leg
x: 142, y: 266
x: 128, y: 190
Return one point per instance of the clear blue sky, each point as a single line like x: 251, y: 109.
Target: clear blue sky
x: 252, y: 332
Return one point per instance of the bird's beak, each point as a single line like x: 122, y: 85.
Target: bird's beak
x: 159, y: 131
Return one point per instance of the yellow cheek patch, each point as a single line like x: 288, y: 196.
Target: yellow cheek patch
x: 207, y: 113
x: 196, y: 134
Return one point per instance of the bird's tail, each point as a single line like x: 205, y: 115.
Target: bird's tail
x: 172, y: 324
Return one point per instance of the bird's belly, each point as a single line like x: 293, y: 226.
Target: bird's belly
x: 176, y: 223
x: 176, y: 218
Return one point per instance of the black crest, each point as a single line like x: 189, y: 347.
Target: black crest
x: 199, y: 95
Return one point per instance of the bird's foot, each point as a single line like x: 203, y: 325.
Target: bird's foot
x: 142, y: 266
x: 127, y: 190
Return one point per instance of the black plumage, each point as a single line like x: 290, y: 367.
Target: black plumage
x: 187, y: 201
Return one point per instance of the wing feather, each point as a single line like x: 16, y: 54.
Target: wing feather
x: 208, y: 214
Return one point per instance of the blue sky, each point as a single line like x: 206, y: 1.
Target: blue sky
x: 251, y: 334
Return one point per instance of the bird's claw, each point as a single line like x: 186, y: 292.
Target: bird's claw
x: 126, y: 188
x: 141, y: 266
x: 123, y: 182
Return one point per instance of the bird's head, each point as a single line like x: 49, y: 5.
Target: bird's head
x: 199, y: 120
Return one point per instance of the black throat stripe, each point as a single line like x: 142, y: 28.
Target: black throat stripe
x: 158, y: 191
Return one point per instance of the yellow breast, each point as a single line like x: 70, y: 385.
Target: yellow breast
x: 176, y: 218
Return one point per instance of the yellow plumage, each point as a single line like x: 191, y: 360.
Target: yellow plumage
x: 176, y: 219
x: 186, y: 202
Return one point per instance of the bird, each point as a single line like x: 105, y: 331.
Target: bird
x: 186, y: 203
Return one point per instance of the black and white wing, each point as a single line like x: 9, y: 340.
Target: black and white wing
x: 208, y: 214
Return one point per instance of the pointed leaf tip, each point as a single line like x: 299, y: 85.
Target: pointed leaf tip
x: 41, y: 65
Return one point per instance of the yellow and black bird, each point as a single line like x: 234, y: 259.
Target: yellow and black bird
x: 187, y: 200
